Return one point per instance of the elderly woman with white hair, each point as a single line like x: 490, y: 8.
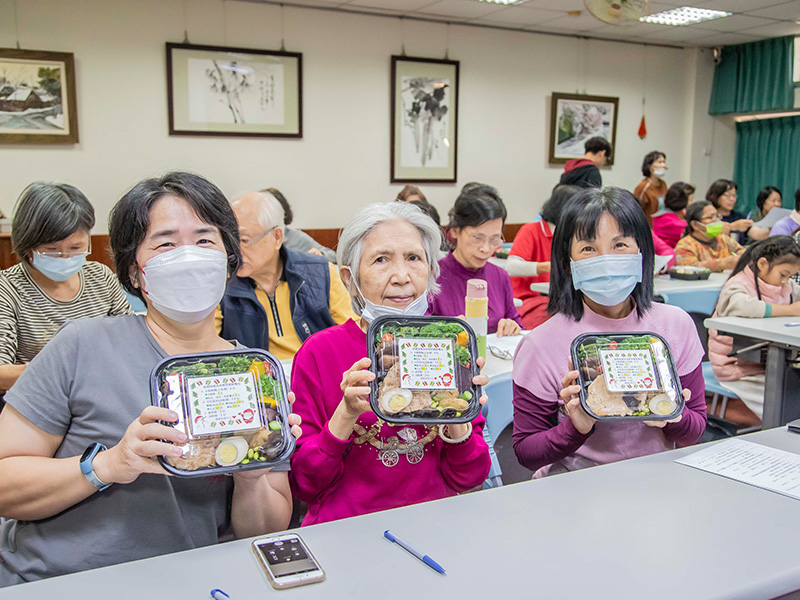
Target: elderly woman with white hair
x: 387, y: 260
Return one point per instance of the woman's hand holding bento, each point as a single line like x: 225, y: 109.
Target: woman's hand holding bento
x: 687, y: 395
x: 572, y: 403
x: 136, y: 452
x: 355, y: 399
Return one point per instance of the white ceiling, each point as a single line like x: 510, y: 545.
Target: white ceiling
x: 752, y: 19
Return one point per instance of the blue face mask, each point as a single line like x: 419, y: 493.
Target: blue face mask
x: 608, y: 279
x: 371, y: 311
x: 57, y: 268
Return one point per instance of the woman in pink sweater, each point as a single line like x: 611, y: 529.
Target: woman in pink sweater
x: 760, y: 286
x: 387, y: 260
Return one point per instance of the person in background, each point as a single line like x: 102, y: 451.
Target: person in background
x: 529, y: 259
x: 723, y: 195
x: 585, y: 172
x: 79, y: 418
x: 387, y: 261
x: 279, y: 297
x: 768, y: 198
x: 296, y: 239
x: 787, y: 225
x: 411, y: 193
x: 760, y: 286
x: 53, y: 282
x: 704, y: 242
x: 601, y: 280
x: 475, y: 233
x: 414, y: 195
x: 651, y: 191
x: 670, y: 225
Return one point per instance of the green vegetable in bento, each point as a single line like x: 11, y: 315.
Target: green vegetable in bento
x: 234, y: 364
x: 437, y: 329
x: 274, y: 425
x: 466, y: 395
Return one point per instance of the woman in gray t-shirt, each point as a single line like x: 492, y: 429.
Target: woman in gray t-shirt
x: 175, y: 242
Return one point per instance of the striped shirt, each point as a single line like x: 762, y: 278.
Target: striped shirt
x: 29, y: 317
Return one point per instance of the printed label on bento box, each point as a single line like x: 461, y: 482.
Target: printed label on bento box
x: 628, y: 370
x: 427, y: 364
x: 222, y: 404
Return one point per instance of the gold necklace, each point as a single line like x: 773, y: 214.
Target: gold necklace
x: 389, y: 451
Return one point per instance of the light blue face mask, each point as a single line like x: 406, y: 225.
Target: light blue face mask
x: 371, y: 311
x: 57, y: 268
x: 608, y: 279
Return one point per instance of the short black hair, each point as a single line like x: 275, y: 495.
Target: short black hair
x: 47, y: 213
x: 764, y: 194
x: 476, y: 204
x: 580, y: 218
x: 598, y: 144
x: 677, y: 197
x: 694, y: 212
x: 649, y: 159
x: 288, y: 216
x: 718, y: 188
x: 551, y: 211
x: 778, y: 249
x: 428, y: 208
x: 129, y: 220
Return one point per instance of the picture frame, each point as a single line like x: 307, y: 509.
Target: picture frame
x: 37, y: 97
x: 236, y: 92
x: 574, y: 118
x: 424, y: 120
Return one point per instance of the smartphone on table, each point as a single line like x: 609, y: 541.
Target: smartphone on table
x: 287, y: 561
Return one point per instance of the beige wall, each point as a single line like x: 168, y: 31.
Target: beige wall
x: 343, y: 159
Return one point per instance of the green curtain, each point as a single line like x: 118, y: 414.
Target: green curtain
x: 754, y: 77
x: 767, y: 153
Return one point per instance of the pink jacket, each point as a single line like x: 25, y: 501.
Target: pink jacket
x: 738, y: 298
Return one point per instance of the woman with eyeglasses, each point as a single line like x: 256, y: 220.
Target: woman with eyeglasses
x: 53, y: 282
x: 705, y: 241
x: 474, y: 234
x: 723, y: 195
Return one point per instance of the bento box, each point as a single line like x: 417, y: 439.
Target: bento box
x: 689, y: 273
x: 627, y: 376
x: 232, y: 406
x: 424, y: 368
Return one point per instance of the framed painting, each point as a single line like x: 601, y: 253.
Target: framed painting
x: 424, y: 127
x: 220, y: 91
x: 574, y: 118
x: 37, y: 97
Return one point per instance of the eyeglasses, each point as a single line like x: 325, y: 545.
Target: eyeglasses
x: 500, y: 353
x: 494, y: 242
x: 247, y: 242
x: 711, y: 219
x: 69, y: 254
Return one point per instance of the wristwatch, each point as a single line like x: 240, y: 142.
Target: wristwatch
x: 88, y: 469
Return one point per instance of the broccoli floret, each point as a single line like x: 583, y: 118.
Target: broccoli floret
x: 234, y: 364
x: 462, y: 355
x: 270, y: 387
x: 197, y: 369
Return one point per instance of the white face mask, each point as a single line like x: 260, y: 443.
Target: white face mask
x: 660, y: 172
x: 187, y: 283
x: 58, y: 269
x: 371, y: 311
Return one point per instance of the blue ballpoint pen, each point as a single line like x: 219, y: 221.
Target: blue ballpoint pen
x: 405, y: 546
x: 218, y: 594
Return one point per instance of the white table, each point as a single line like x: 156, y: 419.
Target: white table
x: 683, y: 533
x: 782, y: 390
x: 664, y: 284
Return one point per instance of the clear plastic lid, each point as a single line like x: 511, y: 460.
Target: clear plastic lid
x: 231, y: 405
x: 689, y: 272
x: 627, y: 376
x: 424, y: 368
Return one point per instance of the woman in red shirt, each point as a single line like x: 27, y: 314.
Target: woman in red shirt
x: 529, y: 259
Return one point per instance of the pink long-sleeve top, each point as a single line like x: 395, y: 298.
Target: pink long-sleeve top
x: 546, y: 441
x: 343, y: 478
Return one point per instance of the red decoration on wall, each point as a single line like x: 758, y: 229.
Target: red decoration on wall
x: 642, y: 129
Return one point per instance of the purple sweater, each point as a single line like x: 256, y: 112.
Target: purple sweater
x: 545, y: 439
x: 342, y: 478
x: 786, y: 225
x: 453, y: 279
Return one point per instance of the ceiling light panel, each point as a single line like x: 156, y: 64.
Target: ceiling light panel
x: 685, y: 15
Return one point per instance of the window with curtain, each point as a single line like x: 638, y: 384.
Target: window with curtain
x: 767, y: 152
x: 754, y: 77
